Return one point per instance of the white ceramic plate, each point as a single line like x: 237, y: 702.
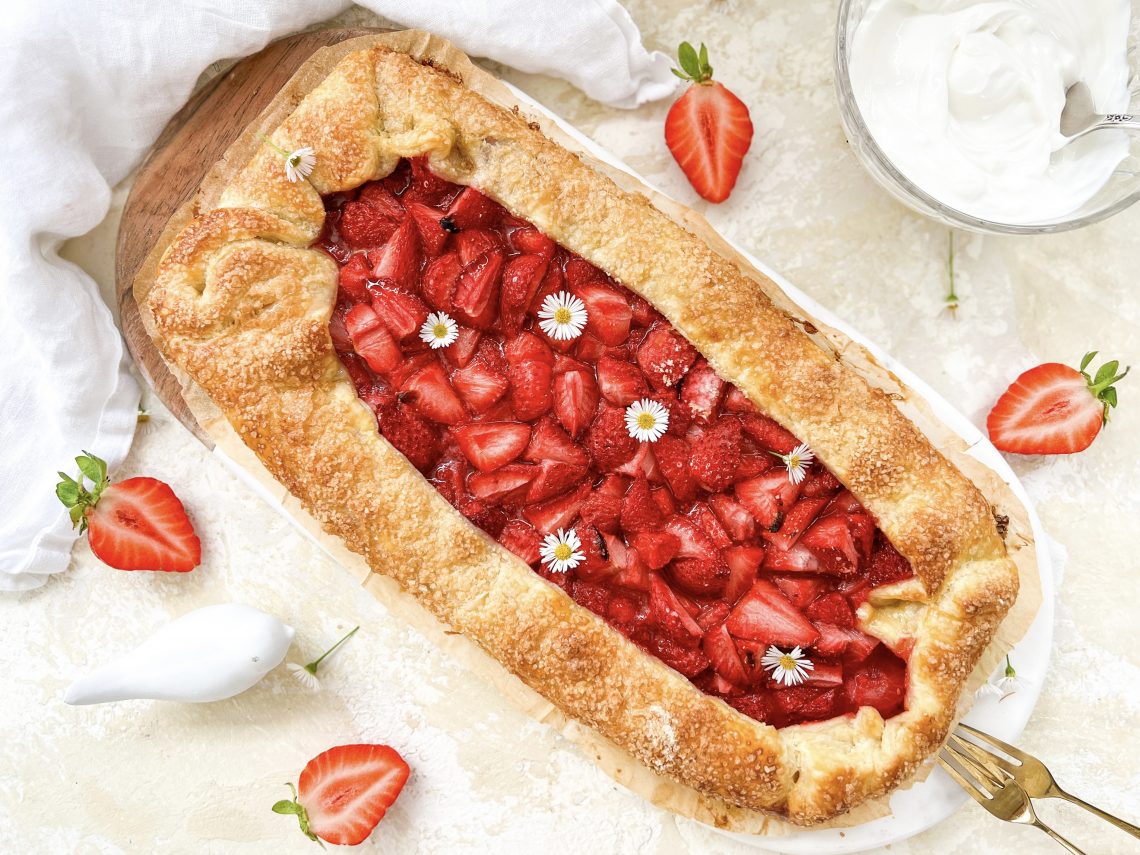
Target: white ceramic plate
x: 928, y: 803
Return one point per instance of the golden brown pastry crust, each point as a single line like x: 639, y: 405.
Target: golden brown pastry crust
x: 241, y: 304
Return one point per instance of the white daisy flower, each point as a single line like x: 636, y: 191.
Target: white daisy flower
x: 646, y: 420
x: 562, y: 316
x: 1004, y: 686
x: 299, y: 164
x: 563, y: 551
x: 304, y: 676
x: 439, y: 330
x: 797, y: 462
x: 790, y: 669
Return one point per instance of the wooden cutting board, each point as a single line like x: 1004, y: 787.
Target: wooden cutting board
x: 190, y: 144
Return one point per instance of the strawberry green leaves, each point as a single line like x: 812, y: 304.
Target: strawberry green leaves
x: 694, y: 66
x: 74, y: 495
x: 294, y: 807
x: 1101, y: 385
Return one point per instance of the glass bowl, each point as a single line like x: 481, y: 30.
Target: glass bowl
x: 1120, y: 191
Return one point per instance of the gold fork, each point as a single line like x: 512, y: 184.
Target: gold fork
x: 1031, y: 773
x: 994, y: 789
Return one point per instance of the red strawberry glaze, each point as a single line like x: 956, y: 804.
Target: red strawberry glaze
x: 698, y: 547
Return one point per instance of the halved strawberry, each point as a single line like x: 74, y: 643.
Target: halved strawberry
x: 880, y: 683
x: 830, y: 540
x: 434, y: 397
x: 354, y: 276
x: 410, y: 435
x: 665, y: 501
x: 620, y: 383
x: 702, y: 391
x: 531, y: 372
x: 767, y: 497
x: 831, y: 608
x: 712, y: 614
x: 707, y: 521
x: 701, y: 577
x: 471, y: 210
x: 664, y: 356
x: 401, y: 312
x: 608, y: 440
x: 743, y: 563
x: 463, y: 349
x: 672, y: 456
x: 363, y: 226
x: 489, y: 445
x: 708, y: 129
x: 589, y: 349
x: 800, y: 590
x: 689, y: 661
x: 471, y: 243
x: 433, y: 236
x: 602, y: 511
x: 550, y: 443
x: 575, y: 395
x: 439, y: 281
x: 656, y: 548
x: 399, y: 260
x: 344, y: 792
x: 798, y: 559
x: 806, y: 703
x: 796, y: 521
x: 595, y: 566
x: 480, y: 385
x: 608, y: 315
x: 1054, y: 409
x: 825, y: 674
x: 594, y: 597
x: 581, y: 272
x: 643, y: 464
x: 477, y: 290
x: 509, y: 482
x: 765, y: 614
x: 667, y: 612
x: 521, y: 539
x: 886, y: 564
x: 552, y: 282
x: 715, y: 454
x: 558, y: 512
x: 371, y: 339
x: 632, y: 572
x: 735, y: 401
x: 553, y: 478
x: 425, y: 186
x: 521, y: 278
x: 135, y: 524
x: 529, y: 240
x: 735, y: 518
x: 638, y: 510
x: 694, y: 542
x: 768, y: 433
x: 850, y: 643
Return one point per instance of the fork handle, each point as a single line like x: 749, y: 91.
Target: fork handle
x: 1069, y: 846
x: 1093, y: 809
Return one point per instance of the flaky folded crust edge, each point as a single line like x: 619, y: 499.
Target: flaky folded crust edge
x: 241, y: 304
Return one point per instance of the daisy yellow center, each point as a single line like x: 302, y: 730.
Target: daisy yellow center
x: 562, y: 552
x: 562, y: 315
x: 787, y: 662
x: 646, y: 421
x: 439, y: 331
x: 794, y: 461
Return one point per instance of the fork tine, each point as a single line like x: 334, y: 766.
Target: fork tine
x: 984, y: 776
x: 998, y: 767
x: 1015, y: 753
x: 965, y: 783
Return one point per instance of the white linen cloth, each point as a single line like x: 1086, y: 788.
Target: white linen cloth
x: 85, y: 89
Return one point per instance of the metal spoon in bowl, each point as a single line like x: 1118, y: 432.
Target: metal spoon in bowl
x: 1080, y: 116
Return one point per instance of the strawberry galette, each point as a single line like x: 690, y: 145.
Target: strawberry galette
x: 586, y: 440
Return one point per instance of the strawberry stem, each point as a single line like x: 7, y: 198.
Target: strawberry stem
x: 294, y: 807
x: 694, y: 65
x: 74, y: 494
x: 1101, y: 385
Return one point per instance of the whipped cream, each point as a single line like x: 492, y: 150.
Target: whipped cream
x: 965, y: 97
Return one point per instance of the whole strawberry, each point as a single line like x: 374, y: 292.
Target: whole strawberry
x: 136, y: 524
x: 1054, y: 409
x: 708, y: 129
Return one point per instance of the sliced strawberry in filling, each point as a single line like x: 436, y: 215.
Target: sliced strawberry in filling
x: 698, y: 546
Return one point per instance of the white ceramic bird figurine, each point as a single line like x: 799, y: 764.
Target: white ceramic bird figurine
x: 210, y: 654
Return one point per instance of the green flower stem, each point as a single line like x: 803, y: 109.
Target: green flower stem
x: 316, y: 663
x: 952, y: 297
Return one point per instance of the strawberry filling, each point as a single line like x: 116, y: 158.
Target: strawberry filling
x: 698, y: 546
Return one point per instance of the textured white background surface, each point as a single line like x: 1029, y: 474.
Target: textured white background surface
x: 151, y: 777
